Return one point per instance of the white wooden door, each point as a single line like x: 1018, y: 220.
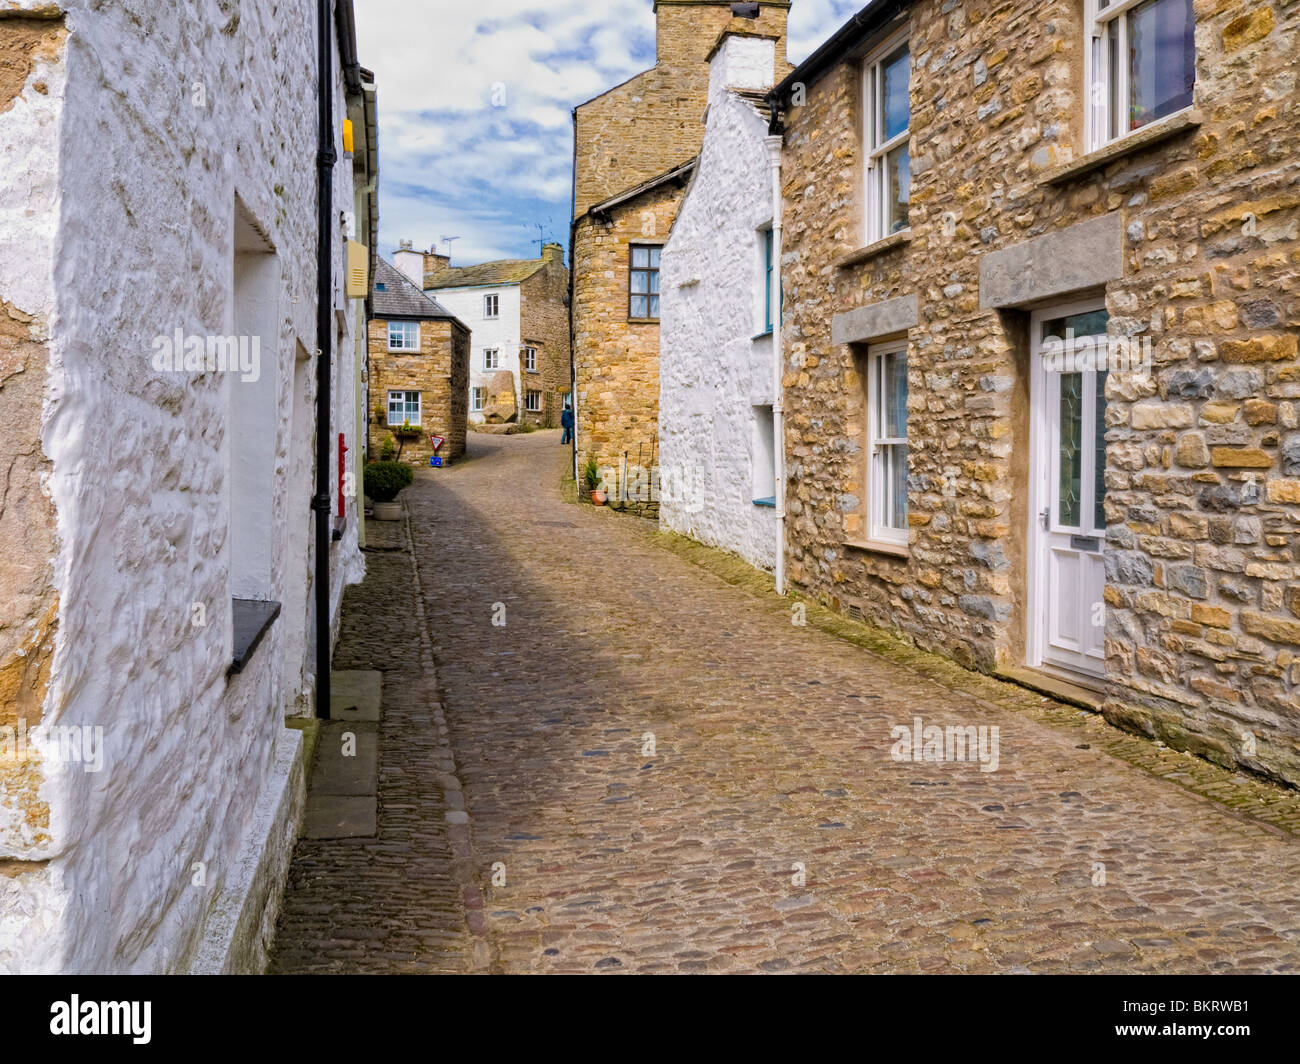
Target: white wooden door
x: 1068, y: 474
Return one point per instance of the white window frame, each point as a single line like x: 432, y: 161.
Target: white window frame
x: 404, y: 346
x: 491, y: 358
x: 1097, y: 73
x: 530, y: 359
x: 477, y: 398
x: 406, y: 394
x: 491, y: 306
x: 875, y: 154
x: 533, y: 401
x: 763, y: 456
x: 879, y: 484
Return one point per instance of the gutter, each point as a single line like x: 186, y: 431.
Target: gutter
x: 346, y: 18
x: 325, y: 160
x: 875, y: 14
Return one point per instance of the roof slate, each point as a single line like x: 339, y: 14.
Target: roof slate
x: 503, y: 271
x: 400, y: 298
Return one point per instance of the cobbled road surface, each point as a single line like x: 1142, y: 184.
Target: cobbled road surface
x: 670, y: 776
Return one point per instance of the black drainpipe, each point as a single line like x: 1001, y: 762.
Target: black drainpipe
x: 325, y: 160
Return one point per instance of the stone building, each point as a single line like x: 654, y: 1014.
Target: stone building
x: 1040, y: 351
x: 158, y: 427
x: 634, y: 148
x: 418, y: 370
x: 518, y: 311
x: 717, y: 369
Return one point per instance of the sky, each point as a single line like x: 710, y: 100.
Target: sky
x: 475, y: 100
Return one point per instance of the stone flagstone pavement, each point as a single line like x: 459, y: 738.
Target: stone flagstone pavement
x: 663, y: 774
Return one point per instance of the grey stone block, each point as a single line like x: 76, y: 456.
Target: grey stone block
x: 875, y: 320
x: 336, y: 774
x: 1082, y: 256
x: 356, y: 695
x: 333, y: 816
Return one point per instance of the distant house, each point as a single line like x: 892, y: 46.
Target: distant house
x: 519, y: 313
x: 419, y: 370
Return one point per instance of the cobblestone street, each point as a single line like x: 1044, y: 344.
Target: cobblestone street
x: 770, y: 762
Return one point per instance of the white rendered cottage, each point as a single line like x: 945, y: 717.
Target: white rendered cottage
x: 719, y: 465
x: 158, y: 425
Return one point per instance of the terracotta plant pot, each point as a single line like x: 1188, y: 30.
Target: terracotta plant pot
x: 599, y: 497
x: 388, y: 511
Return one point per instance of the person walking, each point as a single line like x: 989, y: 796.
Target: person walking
x: 566, y: 423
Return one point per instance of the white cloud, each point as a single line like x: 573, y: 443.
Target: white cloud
x: 450, y: 161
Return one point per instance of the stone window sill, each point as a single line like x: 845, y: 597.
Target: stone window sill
x: 878, y: 247
x: 1169, y: 126
x: 643, y: 321
x: 878, y: 546
x: 252, y: 620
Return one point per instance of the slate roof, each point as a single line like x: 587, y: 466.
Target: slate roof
x: 399, y: 298
x: 503, y: 271
x: 681, y: 174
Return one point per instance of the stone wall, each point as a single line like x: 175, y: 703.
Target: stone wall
x: 32, y: 86
x: 652, y: 122
x: 135, y: 868
x: 1202, y: 551
x: 617, y: 360
x: 714, y: 367
x: 544, y: 322
x: 439, y: 372
x: 625, y: 137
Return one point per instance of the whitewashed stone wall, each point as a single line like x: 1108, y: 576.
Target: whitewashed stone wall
x: 714, y: 368
x: 170, y: 858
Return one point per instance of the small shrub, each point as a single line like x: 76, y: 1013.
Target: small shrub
x: 384, y: 480
x: 387, y: 449
x: 591, y: 474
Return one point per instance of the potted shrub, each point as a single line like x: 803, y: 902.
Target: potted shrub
x: 387, y: 449
x: 384, y: 482
x: 591, y: 478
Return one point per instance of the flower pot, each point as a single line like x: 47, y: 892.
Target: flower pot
x: 388, y: 511
x: 599, y: 497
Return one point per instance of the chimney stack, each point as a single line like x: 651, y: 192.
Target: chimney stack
x: 553, y: 252
x: 410, y: 263
x: 435, y: 263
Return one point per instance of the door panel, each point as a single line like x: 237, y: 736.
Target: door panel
x: 1069, y: 465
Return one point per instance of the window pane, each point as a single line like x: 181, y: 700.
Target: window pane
x: 1099, y: 482
x: 1162, y: 58
x: 1070, y: 489
x: 899, y: 174
x: 640, y: 257
x: 639, y: 307
x: 1113, y: 126
x: 654, y: 257
x: 893, y: 393
x: 640, y: 281
x: 896, y: 516
x: 1092, y: 323
x: 654, y: 306
x: 894, y: 105
x: 654, y: 281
